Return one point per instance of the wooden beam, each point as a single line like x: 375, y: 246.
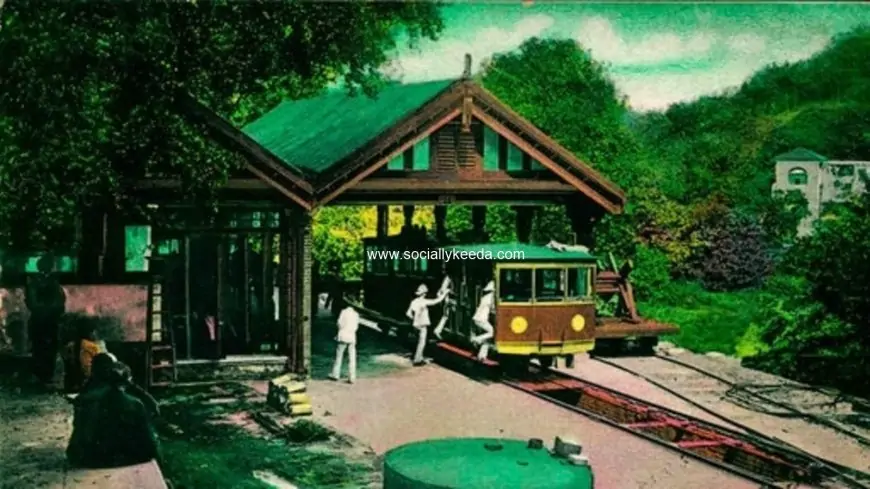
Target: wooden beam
x: 494, y: 103
x: 440, y: 223
x: 386, y: 159
x: 242, y: 141
x: 277, y: 186
x: 547, y: 162
x: 383, y: 221
x: 429, y: 185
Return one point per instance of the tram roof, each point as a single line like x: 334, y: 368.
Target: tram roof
x: 524, y: 252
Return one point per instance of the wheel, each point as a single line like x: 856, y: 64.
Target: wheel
x: 646, y: 345
x: 514, y: 365
x: 569, y: 361
x: 546, y: 362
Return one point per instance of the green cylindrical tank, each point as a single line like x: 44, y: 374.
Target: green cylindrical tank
x: 486, y: 463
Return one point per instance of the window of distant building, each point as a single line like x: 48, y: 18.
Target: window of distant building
x: 797, y: 176
x: 844, y: 170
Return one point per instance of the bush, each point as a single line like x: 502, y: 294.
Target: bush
x: 652, y: 272
x: 737, y: 255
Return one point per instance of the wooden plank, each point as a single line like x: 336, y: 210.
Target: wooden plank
x: 399, y: 185
x: 548, y: 163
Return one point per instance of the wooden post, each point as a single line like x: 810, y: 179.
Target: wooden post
x: 440, y: 224
x: 188, y: 310
x: 383, y: 222
x: 286, y: 269
x: 478, y: 221
x: 583, y: 215
x: 524, y: 216
x: 304, y: 262
x: 408, y: 211
x: 219, y: 307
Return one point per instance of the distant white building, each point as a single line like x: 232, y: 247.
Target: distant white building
x: 821, y: 180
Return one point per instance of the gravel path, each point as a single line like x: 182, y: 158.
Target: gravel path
x: 432, y: 402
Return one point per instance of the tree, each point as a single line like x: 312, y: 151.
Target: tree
x: 557, y: 86
x: 90, y: 89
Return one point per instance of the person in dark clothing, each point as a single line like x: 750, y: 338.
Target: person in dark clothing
x: 46, y: 301
x: 112, y: 426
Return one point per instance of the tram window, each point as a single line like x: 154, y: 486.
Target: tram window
x: 549, y: 284
x: 424, y: 265
x: 578, y: 282
x: 515, y: 285
x: 368, y: 263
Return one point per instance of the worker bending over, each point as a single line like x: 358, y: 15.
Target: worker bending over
x: 418, y: 312
x: 348, y: 324
x: 485, y: 309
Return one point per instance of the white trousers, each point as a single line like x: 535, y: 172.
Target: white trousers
x: 421, y: 344
x: 351, y: 360
x: 483, y: 338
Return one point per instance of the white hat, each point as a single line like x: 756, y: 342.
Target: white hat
x: 490, y: 287
x: 422, y: 289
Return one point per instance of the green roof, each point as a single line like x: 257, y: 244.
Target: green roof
x: 316, y: 133
x: 480, y: 463
x: 522, y: 252
x: 800, y: 154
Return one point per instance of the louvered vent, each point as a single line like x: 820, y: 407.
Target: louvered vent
x: 444, y: 142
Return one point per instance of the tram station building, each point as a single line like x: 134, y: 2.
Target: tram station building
x: 220, y: 290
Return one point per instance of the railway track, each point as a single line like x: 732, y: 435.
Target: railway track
x: 741, y: 451
x: 754, y: 456
x: 741, y: 394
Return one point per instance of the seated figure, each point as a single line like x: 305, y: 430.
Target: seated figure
x: 79, y: 355
x: 112, y: 425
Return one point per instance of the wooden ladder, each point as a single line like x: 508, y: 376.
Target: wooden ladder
x: 161, y: 368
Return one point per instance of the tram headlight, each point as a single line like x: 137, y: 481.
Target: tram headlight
x: 519, y: 325
x: 578, y: 322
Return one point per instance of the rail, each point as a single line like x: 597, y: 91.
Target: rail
x: 754, y: 456
x: 853, y: 476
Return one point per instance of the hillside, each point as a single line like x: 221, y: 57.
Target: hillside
x: 724, y: 144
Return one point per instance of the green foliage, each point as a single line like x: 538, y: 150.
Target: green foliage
x: 708, y: 321
x: 815, y: 317
x: 203, y: 447
x: 551, y: 223
x: 90, y: 90
x: 501, y: 223
x: 652, y: 272
x: 737, y: 255
x: 725, y: 144
x: 559, y: 87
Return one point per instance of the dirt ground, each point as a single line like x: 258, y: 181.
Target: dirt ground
x: 432, y: 402
x: 34, y: 430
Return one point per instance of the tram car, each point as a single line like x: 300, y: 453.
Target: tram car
x: 545, y: 296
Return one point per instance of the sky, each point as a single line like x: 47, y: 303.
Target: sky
x: 658, y: 54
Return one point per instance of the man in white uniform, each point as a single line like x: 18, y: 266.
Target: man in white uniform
x: 449, y: 306
x: 348, y: 324
x: 418, y: 312
x: 481, y: 320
